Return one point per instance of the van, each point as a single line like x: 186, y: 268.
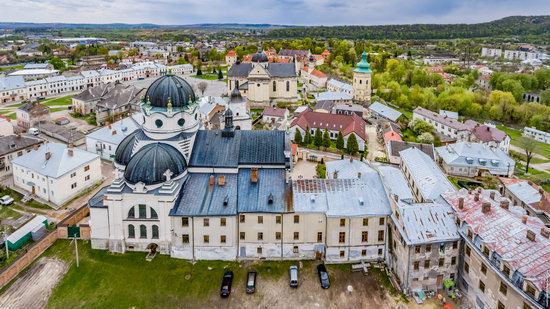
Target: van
x: 34, y: 131
x: 293, y: 273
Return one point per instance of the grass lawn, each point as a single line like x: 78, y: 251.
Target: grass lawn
x: 542, y: 148
x: 13, y: 67
x: 207, y: 76
x: 61, y: 101
x: 106, y: 280
x: 6, y: 212
x: 58, y: 109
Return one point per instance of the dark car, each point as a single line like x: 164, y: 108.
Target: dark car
x: 226, y: 283
x: 323, y: 276
x: 251, y: 282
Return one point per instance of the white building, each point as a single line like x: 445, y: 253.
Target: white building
x: 334, y: 85
x: 512, y: 54
x: 105, y: 140
x: 30, y: 74
x: 446, y: 126
x: 538, y: 135
x: 55, y: 172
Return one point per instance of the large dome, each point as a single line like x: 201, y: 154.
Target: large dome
x: 123, y: 152
x: 260, y: 57
x: 170, y: 88
x: 151, y: 162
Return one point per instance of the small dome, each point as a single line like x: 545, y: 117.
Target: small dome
x: 260, y: 57
x: 236, y: 96
x: 228, y: 113
x: 170, y: 88
x: 151, y: 162
x: 123, y: 152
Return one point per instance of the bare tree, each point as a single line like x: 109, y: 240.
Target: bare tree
x: 202, y: 87
x: 529, y: 145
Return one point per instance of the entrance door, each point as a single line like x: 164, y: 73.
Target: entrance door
x: 439, y: 281
x: 243, y: 252
x: 33, y: 190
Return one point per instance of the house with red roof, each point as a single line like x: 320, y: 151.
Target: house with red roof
x: 488, y: 135
x: 333, y: 123
x: 231, y: 58
x: 312, y: 76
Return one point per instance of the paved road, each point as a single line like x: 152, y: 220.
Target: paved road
x: 374, y: 147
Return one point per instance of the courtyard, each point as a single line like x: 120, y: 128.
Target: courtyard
x: 105, y: 280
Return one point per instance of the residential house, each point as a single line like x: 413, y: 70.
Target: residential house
x: 85, y: 102
x: 121, y: 99
x: 230, y: 58
x: 489, y: 135
x: 30, y: 114
x: 6, y: 128
x: 277, y: 117
x: 105, y: 140
x: 395, y: 145
x: 333, y: 97
x: 382, y: 111
x: 313, y: 77
x: 13, y: 146
x: 450, y: 128
x: 12, y: 89
x: 527, y: 195
x: 334, y: 85
x: 536, y: 134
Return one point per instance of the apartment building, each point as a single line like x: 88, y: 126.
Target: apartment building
x: 446, y: 126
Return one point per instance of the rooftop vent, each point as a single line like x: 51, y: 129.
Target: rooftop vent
x: 48, y: 155
x: 504, y: 203
x: 545, y: 232
x: 361, y: 201
x: 226, y: 200
x: 212, y: 180
x: 254, y: 175
x: 524, y: 219
x: 312, y: 198
x: 460, y: 203
x: 221, y: 180
x: 476, y: 196
x: 492, y: 195
x: 70, y: 152
x: 486, y: 207
x: 531, y: 235
x: 270, y: 199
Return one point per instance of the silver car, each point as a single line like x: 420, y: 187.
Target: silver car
x: 293, y: 272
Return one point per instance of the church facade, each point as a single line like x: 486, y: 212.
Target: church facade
x: 262, y: 82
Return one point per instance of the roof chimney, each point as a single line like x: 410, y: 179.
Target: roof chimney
x: 504, y: 203
x: 492, y: 195
x: 48, y: 155
x: 70, y: 152
x: 221, y: 180
x: 254, y: 175
x: 486, y: 207
x: 476, y: 197
x: 545, y: 232
x: 113, y: 132
x: 212, y: 181
x: 531, y: 235
x: 524, y: 219
x: 541, y: 191
x: 460, y: 203
x: 396, y: 197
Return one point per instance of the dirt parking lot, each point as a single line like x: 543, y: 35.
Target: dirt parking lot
x: 276, y: 293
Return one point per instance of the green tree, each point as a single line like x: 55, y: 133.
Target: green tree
x: 57, y: 63
x: 326, y: 139
x: 307, y: 137
x: 298, y: 137
x: 545, y: 97
x: 353, y: 146
x: 318, y: 138
x: 426, y: 138
x: 515, y: 87
x: 199, y: 72
x: 340, y: 141
x: 220, y: 74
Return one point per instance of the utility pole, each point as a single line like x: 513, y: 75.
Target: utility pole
x: 6, y: 243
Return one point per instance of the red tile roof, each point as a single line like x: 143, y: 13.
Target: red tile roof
x: 391, y: 136
x: 485, y: 133
x: 274, y: 112
x: 343, y: 123
x: 318, y: 73
x: 231, y: 53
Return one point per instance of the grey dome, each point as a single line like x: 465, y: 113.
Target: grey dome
x: 170, y: 88
x: 260, y: 57
x: 236, y: 96
x: 150, y: 163
x: 123, y: 152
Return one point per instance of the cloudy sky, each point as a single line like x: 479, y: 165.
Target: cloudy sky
x: 296, y: 12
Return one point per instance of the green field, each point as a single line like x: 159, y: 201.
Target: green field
x: 61, y: 101
x: 58, y: 109
x: 542, y: 148
x: 207, y: 76
x: 106, y: 280
x: 13, y: 67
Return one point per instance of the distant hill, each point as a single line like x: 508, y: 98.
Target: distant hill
x: 50, y: 26
x: 509, y: 26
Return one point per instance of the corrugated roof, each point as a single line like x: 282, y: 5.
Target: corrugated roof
x: 385, y: 111
x: 476, y: 155
x: 395, y: 182
x: 348, y: 169
x: 450, y: 122
x: 256, y: 197
x: 332, y: 96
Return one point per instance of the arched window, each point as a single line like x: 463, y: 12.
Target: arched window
x: 154, y: 214
x: 142, y: 231
x: 132, y: 213
x: 287, y: 86
x: 131, y: 231
x: 155, y: 232
x: 274, y: 86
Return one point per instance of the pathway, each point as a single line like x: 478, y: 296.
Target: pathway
x: 374, y: 147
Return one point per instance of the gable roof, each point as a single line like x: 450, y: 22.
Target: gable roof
x: 385, y: 111
x: 484, y: 132
x: 450, y: 122
x: 344, y: 123
x: 397, y: 146
x: 274, y: 70
x: 274, y: 112
x: 12, y: 143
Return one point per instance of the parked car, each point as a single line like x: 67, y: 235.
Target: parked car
x: 226, y: 283
x: 62, y: 121
x: 293, y: 273
x: 251, y: 282
x: 323, y: 276
x: 6, y: 200
x: 34, y: 131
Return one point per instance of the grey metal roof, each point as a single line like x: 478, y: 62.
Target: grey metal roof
x: 274, y: 69
x: 123, y: 152
x: 198, y: 198
x: 151, y: 162
x: 348, y: 169
x: 395, y: 181
x: 525, y: 192
x: 397, y: 146
x: 97, y: 200
x: 476, y: 155
x: 170, y: 88
x: 239, y: 70
x: 117, y: 132
x: 245, y: 147
x: 385, y: 111
x: 12, y: 143
x: 332, y: 96
x: 11, y: 82
x: 255, y: 197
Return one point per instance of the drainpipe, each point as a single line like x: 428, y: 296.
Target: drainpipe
x: 326, y: 236
x: 349, y: 236
x: 238, y: 236
x: 408, y: 266
x: 193, y: 232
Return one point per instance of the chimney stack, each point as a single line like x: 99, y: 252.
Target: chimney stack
x: 48, y: 155
x: 531, y: 235
x: 545, y: 232
x: 486, y: 207
x: 541, y: 191
x: 396, y: 197
x: 492, y: 195
x: 254, y: 175
x: 524, y: 219
x: 460, y: 203
x: 504, y: 203
x: 70, y: 152
x: 221, y: 180
x: 476, y: 197
x: 113, y: 132
x: 212, y: 180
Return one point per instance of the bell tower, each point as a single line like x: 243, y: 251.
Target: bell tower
x: 362, y: 81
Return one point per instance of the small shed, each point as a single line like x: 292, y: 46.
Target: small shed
x: 25, y: 233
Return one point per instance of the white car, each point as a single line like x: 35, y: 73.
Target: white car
x: 6, y: 200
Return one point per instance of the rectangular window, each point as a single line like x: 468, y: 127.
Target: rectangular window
x: 468, y: 250
x: 86, y: 168
x: 87, y: 178
x: 482, y: 286
x: 530, y: 290
x: 278, y: 219
x: 506, y: 270
x: 466, y: 267
x: 223, y: 222
x: 184, y: 221
x: 222, y: 239
x: 342, y: 222
x: 453, y: 260
x: 342, y: 253
x: 416, y: 265
x: 73, y: 185
x: 296, y: 219
x: 381, y: 221
x: 416, y: 249
x: 342, y: 237
x: 380, y: 235
x: 428, y: 248
x: 483, y: 269
x: 278, y: 235
x: 365, y: 221
x: 185, y: 238
x: 206, y: 239
x: 503, y: 288
x: 296, y: 235
x: 427, y: 264
x: 241, y: 235
x: 500, y: 305
x: 142, y: 211
x: 241, y: 218
x: 486, y: 251
x: 259, y: 250
x: 260, y: 236
x: 363, y: 252
x: 295, y: 249
x: 455, y: 244
x: 319, y: 236
x: 260, y: 219
x: 364, y: 236
x: 441, y: 262
x: 206, y: 222
x: 380, y: 251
